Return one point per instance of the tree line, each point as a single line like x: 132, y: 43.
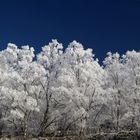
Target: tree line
x: 67, y: 90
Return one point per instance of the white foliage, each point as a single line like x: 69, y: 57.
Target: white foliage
x: 68, y: 87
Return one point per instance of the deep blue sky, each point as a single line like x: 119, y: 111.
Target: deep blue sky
x: 104, y: 25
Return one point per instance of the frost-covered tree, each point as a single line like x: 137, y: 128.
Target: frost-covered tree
x: 81, y: 85
x: 49, y: 58
x: 115, y: 83
x: 20, y: 88
x: 132, y: 68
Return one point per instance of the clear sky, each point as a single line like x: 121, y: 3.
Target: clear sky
x: 104, y: 25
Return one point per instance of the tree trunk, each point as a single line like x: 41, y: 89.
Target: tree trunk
x: 83, y: 126
x: 25, y: 131
x: 25, y: 127
x: 118, y: 116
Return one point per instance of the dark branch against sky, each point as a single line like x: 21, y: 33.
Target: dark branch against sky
x: 104, y: 25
